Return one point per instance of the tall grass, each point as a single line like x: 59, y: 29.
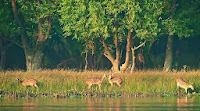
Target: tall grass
x: 61, y: 81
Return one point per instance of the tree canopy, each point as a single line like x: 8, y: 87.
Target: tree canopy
x: 117, y: 29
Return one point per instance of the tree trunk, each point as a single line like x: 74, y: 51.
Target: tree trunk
x: 169, y: 56
x: 33, y: 49
x: 3, y: 59
x: 128, y: 46
x: 133, y: 55
x: 108, y: 54
x: 86, y: 61
x: 34, y: 60
x: 115, y: 66
x: 133, y: 60
x: 3, y: 55
x: 169, y: 49
x: 95, y: 61
x: 116, y: 61
x: 3, y: 47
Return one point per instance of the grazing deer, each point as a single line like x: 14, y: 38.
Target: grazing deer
x: 97, y: 81
x: 116, y: 80
x: 28, y: 82
x: 183, y: 84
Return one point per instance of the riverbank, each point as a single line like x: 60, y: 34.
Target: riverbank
x: 69, y: 83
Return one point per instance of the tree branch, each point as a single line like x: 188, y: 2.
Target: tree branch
x: 116, y: 46
x: 16, y: 43
x: 49, y: 28
x: 22, y: 30
x: 14, y: 7
x: 139, y: 46
x: 107, y: 52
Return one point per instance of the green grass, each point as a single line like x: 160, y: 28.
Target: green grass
x: 64, y: 81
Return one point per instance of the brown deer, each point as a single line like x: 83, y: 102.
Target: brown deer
x: 183, y: 84
x: 28, y: 82
x: 97, y: 81
x: 140, y: 58
x: 113, y: 80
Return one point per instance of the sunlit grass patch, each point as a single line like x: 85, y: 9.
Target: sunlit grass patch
x: 62, y: 81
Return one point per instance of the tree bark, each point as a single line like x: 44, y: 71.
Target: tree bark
x: 128, y: 47
x: 33, y: 51
x: 168, y: 56
x: 95, y: 61
x: 3, y: 55
x: 34, y: 60
x: 133, y: 55
x: 116, y: 61
x: 3, y: 47
x: 22, y: 30
x: 108, y: 54
x: 133, y: 60
x: 86, y: 60
x: 3, y: 59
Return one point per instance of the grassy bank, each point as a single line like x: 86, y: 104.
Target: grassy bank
x: 68, y: 83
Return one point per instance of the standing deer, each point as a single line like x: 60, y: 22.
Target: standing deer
x: 28, y: 82
x: 113, y: 80
x: 183, y: 84
x: 140, y: 58
x: 97, y: 81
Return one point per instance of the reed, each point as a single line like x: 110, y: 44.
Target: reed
x: 64, y: 81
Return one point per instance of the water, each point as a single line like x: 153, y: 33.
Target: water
x: 96, y: 104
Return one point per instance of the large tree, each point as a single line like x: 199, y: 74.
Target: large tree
x: 34, y: 19
x: 179, y: 19
x: 111, y: 22
x: 7, y: 31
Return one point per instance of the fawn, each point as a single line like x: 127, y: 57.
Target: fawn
x: 28, y: 82
x: 97, y: 81
x: 183, y: 84
x: 116, y: 80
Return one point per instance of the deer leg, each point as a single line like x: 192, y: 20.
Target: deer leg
x: 36, y: 85
x: 111, y: 84
x: 89, y: 87
x: 177, y: 88
x: 119, y: 84
x: 100, y: 87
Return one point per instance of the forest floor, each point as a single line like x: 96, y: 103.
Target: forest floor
x: 70, y: 83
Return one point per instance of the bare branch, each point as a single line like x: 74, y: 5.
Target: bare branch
x: 12, y: 41
x: 139, y: 46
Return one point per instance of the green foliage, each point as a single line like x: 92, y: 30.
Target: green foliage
x: 89, y: 20
x: 182, y: 20
x: 33, y: 11
x: 7, y: 24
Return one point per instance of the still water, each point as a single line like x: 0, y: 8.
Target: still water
x: 103, y: 104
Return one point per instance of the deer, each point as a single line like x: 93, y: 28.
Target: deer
x: 140, y: 58
x: 113, y: 80
x: 92, y: 81
x: 28, y: 82
x: 183, y: 84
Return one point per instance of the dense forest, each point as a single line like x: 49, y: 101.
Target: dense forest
x: 124, y: 35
